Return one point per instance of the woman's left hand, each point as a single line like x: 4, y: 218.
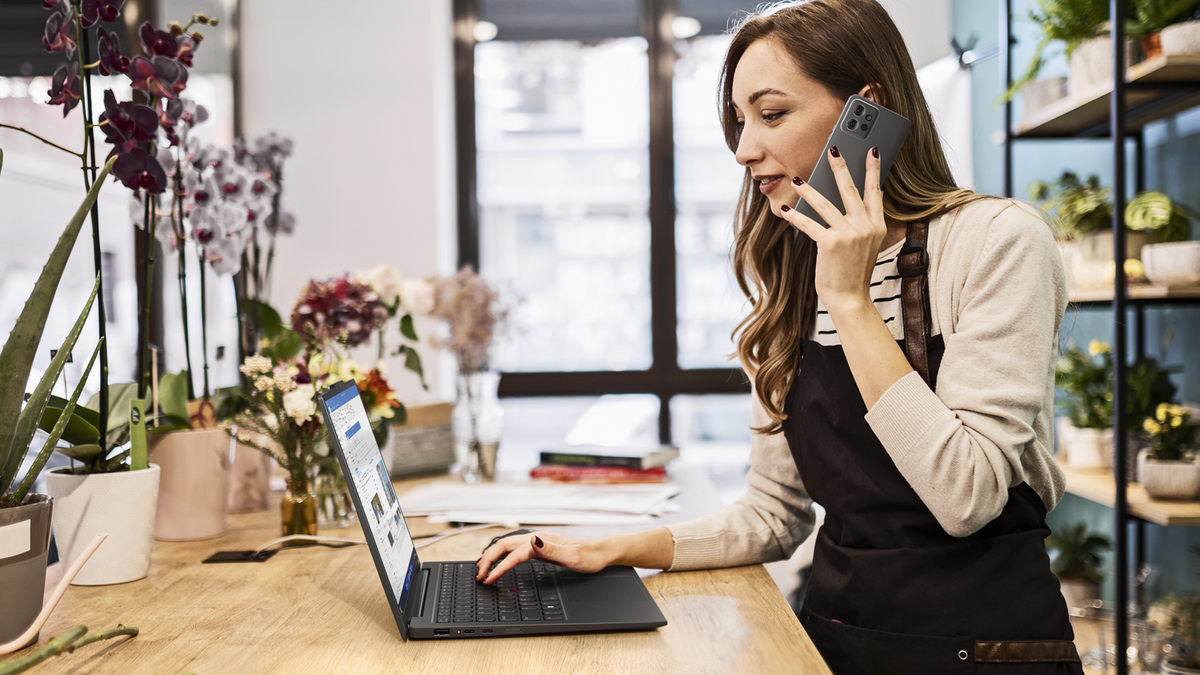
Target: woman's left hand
x: 848, y: 248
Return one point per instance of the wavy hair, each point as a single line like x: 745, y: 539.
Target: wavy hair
x: 843, y: 45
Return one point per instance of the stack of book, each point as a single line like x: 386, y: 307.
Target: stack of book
x: 599, y: 464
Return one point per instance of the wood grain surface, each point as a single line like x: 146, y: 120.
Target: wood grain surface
x: 322, y: 610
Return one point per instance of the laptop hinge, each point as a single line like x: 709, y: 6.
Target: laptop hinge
x: 424, y: 586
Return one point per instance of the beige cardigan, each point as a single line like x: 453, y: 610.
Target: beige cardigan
x: 997, y: 291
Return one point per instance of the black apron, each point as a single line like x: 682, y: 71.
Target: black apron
x: 890, y: 591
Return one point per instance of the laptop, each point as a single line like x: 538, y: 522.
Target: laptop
x: 442, y: 600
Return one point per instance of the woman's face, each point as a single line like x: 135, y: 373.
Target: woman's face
x: 786, y: 119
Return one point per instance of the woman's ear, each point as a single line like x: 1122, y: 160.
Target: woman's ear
x: 873, y: 93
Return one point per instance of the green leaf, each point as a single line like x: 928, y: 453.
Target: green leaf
x: 269, y: 321
x: 89, y: 415
x: 412, y: 361
x: 407, y: 329
x: 285, y: 345
x: 78, y: 430
x: 119, y: 396
x: 173, y: 397
x: 16, y: 359
x: 83, y: 453
x: 68, y: 415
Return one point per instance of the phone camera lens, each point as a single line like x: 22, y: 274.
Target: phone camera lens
x: 864, y: 127
x: 851, y: 124
x: 859, y: 110
x: 870, y: 117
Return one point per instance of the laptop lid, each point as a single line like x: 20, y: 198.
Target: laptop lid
x: 371, y: 487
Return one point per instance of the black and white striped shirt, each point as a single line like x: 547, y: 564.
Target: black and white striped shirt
x: 885, y: 292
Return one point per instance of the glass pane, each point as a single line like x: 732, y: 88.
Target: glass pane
x: 713, y: 431
x: 563, y: 136
x: 707, y: 180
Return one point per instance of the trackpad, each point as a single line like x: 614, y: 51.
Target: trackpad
x: 603, y: 589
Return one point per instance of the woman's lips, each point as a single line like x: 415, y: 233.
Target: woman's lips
x: 767, y: 186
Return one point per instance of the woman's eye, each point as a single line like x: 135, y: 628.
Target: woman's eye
x: 771, y: 117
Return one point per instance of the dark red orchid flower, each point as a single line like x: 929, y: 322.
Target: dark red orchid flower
x: 180, y: 82
x: 158, y: 42
x: 140, y: 171
x: 103, y: 10
x: 65, y: 88
x: 126, y: 125
x: 187, y: 49
x: 60, y: 31
x: 111, y: 59
x: 155, y: 76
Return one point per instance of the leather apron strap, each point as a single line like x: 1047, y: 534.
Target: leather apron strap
x: 913, y: 263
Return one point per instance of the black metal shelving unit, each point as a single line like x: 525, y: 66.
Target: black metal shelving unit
x: 1155, y: 98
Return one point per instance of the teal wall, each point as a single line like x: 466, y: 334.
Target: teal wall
x: 1173, y: 166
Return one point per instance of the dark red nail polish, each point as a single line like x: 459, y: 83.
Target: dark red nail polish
x: 785, y: 208
x: 798, y: 180
x: 875, y: 152
x: 537, y: 541
x: 834, y: 151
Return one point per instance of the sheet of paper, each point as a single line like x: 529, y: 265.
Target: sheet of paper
x: 523, y: 498
x: 517, y: 519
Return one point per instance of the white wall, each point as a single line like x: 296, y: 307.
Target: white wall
x: 925, y: 25
x: 365, y: 91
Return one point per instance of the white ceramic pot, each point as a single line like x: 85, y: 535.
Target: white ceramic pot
x: 250, y: 483
x: 1091, y: 67
x: 1169, y: 479
x: 122, y: 504
x: 1042, y: 93
x: 1078, y: 592
x: 193, y: 492
x: 1098, y: 246
x: 1086, y: 449
x: 24, y: 540
x: 1181, y: 38
x: 1173, y: 264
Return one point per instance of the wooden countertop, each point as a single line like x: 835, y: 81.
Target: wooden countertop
x: 1100, y: 487
x: 322, y: 610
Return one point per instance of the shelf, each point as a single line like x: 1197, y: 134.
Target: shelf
x: 1137, y: 292
x: 1101, y: 487
x: 1085, y: 112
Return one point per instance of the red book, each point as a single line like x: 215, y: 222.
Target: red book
x: 598, y: 474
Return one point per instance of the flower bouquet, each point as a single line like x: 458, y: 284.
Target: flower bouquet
x: 1168, y: 468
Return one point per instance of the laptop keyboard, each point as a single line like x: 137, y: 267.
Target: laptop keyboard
x: 525, y: 593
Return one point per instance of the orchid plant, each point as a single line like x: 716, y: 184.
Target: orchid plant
x: 140, y: 132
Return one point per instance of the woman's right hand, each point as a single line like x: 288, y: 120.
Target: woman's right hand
x: 574, y: 553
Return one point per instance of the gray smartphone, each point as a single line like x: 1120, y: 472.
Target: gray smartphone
x: 862, y: 126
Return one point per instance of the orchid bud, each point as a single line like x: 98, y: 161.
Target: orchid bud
x: 212, y: 22
x: 201, y: 18
x: 197, y: 36
x: 175, y: 27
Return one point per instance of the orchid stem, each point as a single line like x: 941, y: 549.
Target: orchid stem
x: 177, y: 228
x: 46, y: 141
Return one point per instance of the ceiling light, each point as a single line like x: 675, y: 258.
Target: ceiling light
x: 485, y: 31
x: 684, y: 27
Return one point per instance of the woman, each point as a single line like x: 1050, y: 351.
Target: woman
x: 935, y: 481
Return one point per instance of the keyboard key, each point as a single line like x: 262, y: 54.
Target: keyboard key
x: 531, y: 616
x: 554, y: 617
x: 510, y: 616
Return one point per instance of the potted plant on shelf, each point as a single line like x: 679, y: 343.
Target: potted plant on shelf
x: 1082, y: 25
x: 1152, y: 17
x: 1171, y: 260
x: 1075, y: 559
x: 1169, y: 468
x: 1176, y: 618
x: 1182, y: 34
x: 25, y: 517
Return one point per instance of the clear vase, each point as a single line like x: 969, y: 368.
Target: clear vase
x: 298, y: 510
x: 478, y: 425
x: 335, y: 506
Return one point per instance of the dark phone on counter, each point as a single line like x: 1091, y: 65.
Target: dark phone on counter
x: 862, y: 126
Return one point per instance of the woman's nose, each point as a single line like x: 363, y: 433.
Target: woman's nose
x: 748, y: 152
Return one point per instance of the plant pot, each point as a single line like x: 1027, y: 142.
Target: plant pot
x: 1169, y: 479
x: 122, y: 504
x: 1042, y: 93
x: 24, y: 541
x: 1078, y: 592
x: 1091, y: 67
x: 193, y: 491
x: 1181, y: 38
x: 1151, y: 46
x: 1098, y: 246
x: 250, y: 482
x: 1173, y: 264
x: 1085, y: 449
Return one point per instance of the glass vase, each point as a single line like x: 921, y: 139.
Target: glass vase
x: 478, y: 425
x: 335, y: 506
x: 298, y: 510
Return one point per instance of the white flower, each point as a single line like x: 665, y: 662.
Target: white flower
x: 284, y: 381
x: 255, y: 364
x: 299, y: 404
x: 416, y: 296
x: 263, y: 383
x: 384, y: 280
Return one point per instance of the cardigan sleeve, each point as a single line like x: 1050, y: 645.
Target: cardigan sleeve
x: 961, y: 448
x: 767, y: 523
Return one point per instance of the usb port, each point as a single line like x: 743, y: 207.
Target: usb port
x: 468, y: 631
x: 441, y: 631
x: 487, y: 630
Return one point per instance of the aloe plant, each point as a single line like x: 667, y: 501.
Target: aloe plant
x: 17, y: 425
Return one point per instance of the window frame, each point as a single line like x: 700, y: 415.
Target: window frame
x: 664, y: 378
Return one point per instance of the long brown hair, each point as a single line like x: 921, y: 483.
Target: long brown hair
x: 844, y: 45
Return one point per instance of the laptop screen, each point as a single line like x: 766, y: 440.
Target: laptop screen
x: 362, y: 465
